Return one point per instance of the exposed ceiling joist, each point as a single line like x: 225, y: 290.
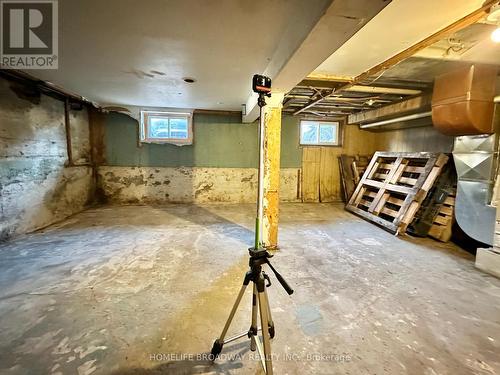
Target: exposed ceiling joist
x: 312, y: 103
x: 358, y: 98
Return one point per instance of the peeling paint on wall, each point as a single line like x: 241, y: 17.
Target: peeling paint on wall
x: 188, y: 184
x: 36, y: 189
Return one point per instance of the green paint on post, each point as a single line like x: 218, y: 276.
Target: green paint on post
x: 257, y: 233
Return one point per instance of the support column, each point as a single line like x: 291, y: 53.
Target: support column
x: 272, y: 144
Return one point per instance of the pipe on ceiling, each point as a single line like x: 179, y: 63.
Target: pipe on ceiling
x: 397, y: 119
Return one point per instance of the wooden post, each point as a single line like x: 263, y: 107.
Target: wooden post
x: 272, y: 144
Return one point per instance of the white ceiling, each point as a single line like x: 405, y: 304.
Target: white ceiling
x: 131, y: 53
x: 128, y: 52
x: 472, y: 44
x: 397, y: 27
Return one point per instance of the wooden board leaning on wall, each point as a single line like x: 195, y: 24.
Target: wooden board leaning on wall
x: 352, y: 167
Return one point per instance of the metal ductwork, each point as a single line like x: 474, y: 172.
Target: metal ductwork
x: 475, y: 160
x: 462, y: 101
x: 463, y: 105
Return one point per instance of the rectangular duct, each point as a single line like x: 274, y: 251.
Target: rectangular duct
x: 462, y: 101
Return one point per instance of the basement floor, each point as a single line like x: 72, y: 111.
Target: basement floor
x: 143, y: 290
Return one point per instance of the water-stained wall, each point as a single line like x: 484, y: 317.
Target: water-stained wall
x: 220, y: 165
x: 36, y: 188
x: 157, y: 185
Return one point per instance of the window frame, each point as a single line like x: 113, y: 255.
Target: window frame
x: 147, y: 115
x: 338, y: 124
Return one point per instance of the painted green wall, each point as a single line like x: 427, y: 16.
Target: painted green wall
x: 219, y: 141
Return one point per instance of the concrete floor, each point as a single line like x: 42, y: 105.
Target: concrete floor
x: 134, y: 290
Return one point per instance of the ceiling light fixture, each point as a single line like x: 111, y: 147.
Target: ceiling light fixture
x: 494, y: 18
x: 495, y: 35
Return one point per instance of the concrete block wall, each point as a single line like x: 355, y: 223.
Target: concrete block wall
x: 36, y: 186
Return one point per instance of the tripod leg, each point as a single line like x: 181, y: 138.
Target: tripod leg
x: 269, y: 316
x: 217, y: 347
x: 252, y: 333
x: 263, y: 308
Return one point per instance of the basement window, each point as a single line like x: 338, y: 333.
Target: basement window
x: 319, y: 133
x: 166, y: 127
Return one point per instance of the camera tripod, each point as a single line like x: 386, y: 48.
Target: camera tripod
x: 258, y: 257
x: 260, y: 302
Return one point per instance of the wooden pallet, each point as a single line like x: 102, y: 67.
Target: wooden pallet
x: 444, y: 185
x: 352, y: 168
x: 393, y: 187
x: 441, y: 229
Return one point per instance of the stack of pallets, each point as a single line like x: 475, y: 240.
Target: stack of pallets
x: 393, y: 186
x: 441, y: 228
